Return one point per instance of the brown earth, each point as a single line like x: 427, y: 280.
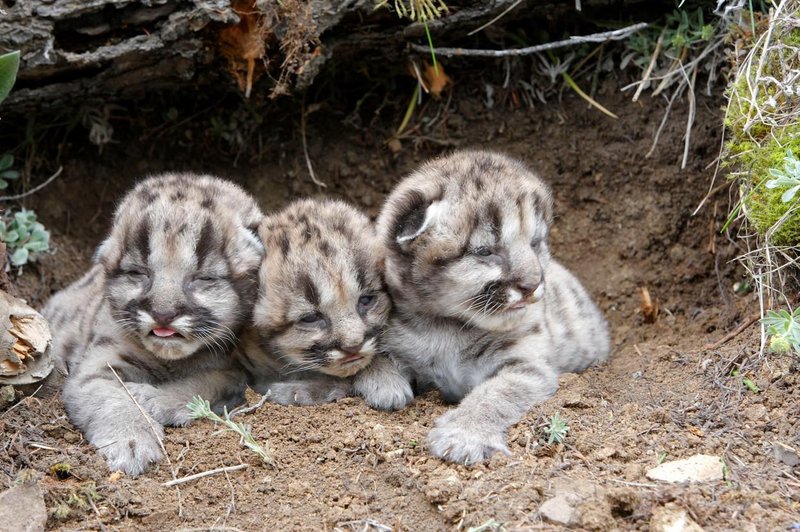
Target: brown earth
x: 624, y: 221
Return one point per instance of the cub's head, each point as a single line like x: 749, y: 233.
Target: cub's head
x: 466, y: 239
x: 181, y: 263
x: 321, y: 299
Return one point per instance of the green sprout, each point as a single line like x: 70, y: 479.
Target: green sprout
x: 788, y: 178
x: 418, y: 11
x: 24, y: 237
x: 9, y: 65
x: 6, y: 172
x: 783, y: 328
x: 557, y: 429
x: 201, y: 409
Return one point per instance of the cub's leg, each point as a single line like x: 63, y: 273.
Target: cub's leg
x: 476, y: 429
x: 383, y: 385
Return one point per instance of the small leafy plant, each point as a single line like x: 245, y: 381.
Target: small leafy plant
x: 418, y: 11
x: 788, y: 178
x: 24, y: 237
x: 201, y: 409
x: 557, y: 430
x: 783, y: 328
x: 9, y: 65
x: 6, y: 172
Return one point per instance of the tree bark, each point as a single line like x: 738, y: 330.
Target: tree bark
x: 107, y: 48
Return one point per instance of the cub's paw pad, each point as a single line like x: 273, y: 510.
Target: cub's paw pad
x: 458, y: 444
x: 391, y: 397
x: 132, y: 455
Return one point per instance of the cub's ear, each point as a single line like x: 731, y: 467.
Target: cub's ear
x: 245, y: 251
x: 108, y: 253
x: 419, y: 216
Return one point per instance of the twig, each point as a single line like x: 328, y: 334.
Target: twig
x: 614, y: 35
x: 634, y: 484
x: 247, y: 409
x: 495, y: 19
x: 305, y: 147
x: 689, y: 118
x: 650, y: 67
x: 20, y: 401
x: 217, y: 471
x: 734, y: 333
x: 35, y: 189
x: 155, y: 433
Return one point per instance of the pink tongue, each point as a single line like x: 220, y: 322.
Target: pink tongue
x: 163, y: 332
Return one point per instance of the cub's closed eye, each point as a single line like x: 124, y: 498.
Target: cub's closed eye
x: 207, y: 278
x: 536, y: 242
x: 366, y: 300
x: 313, y: 317
x: 483, y: 251
x: 134, y: 272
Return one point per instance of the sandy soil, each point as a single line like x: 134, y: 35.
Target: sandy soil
x: 623, y: 222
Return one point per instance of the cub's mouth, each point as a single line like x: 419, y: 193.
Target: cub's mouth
x: 166, y: 333
x: 351, y: 359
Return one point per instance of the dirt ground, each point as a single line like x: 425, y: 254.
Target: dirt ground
x: 623, y: 222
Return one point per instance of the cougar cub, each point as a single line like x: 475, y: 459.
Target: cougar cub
x: 321, y: 306
x: 173, y: 282
x: 483, y: 313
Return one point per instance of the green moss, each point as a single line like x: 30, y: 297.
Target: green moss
x: 763, y: 206
x: 750, y: 153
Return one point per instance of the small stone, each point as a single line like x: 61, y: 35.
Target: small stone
x: 697, y: 468
x: 22, y: 508
x: 784, y: 453
x: 561, y: 509
x: 604, y: 453
x: 755, y: 412
x: 673, y: 518
x: 71, y: 437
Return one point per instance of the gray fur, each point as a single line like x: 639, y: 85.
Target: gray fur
x: 180, y: 257
x: 482, y: 312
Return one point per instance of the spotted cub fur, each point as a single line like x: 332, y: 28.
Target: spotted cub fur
x: 483, y: 313
x: 172, y: 284
x: 321, y: 307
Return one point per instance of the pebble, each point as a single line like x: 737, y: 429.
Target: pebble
x: 673, y: 518
x: 22, y: 508
x: 697, y: 468
x: 784, y: 453
x: 561, y: 509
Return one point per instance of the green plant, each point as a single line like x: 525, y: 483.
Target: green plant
x: 418, y: 11
x: 9, y: 65
x: 557, y: 429
x: 783, y: 329
x: 24, y: 237
x: 788, y: 177
x: 201, y: 409
x: 6, y: 173
x: 491, y: 524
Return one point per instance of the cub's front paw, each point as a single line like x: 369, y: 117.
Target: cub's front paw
x: 463, y: 444
x: 306, y: 393
x: 161, y: 406
x: 389, y: 392
x: 131, y: 453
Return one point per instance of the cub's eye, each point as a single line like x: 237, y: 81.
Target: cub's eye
x: 312, y: 317
x: 366, y: 300
x: 536, y: 242
x: 134, y: 272
x: 207, y: 278
x: 483, y: 251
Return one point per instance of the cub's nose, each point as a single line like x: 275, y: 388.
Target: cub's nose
x: 164, y: 317
x: 527, y: 289
x: 353, y: 349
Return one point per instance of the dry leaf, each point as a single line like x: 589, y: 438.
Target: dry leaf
x: 24, y: 341
x: 649, y: 307
x: 697, y: 431
x: 244, y: 44
x: 436, y: 80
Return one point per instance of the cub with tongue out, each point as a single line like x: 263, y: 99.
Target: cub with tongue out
x: 482, y: 312
x: 172, y: 284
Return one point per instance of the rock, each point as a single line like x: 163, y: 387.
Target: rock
x: 604, y: 453
x: 22, y: 509
x: 697, y: 468
x: 561, y: 509
x: 673, y: 518
x: 784, y: 453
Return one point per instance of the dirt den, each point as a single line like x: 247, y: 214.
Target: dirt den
x: 623, y: 222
